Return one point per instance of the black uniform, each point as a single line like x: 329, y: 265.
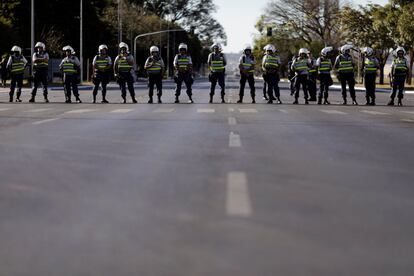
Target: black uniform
x: 40, y: 74
x: 155, y: 68
x: 123, y: 70
x: 16, y: 66
x: 102, y: 71
x: 246, y: 65
x: 345, y: 66
x: 370, y: 67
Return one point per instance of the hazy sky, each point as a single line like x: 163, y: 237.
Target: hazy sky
x: 238, y: 18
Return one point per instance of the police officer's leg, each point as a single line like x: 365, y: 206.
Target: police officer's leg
x: 401, y: 88
x: 96, y: 82
x: 343, y: 88
x: 367, y: 85
x: 213, y: 83
x: 305, y: 89
x: 188, y: 80
x: 105, y: 81
x: 179, y: 83
x: 276, y: 88
x: 45, y: 84
x: 321, y: 88
x: 270, y: 85
x: 75, y: 89
x: 243, y: 80
x: 312, y: 88
x: 130, y: 83
x: 297, y: 88
x: 374, y: 88
x: 151, y: 83
x: 13, y: 82
x: 122, y: 86
x: 351, y: 84
x: 252, y: 87
x: 68, y: 89
x: 158, y: 83
x: 264, y: 87
x: 328, y: 80
x: 19, y: 84
x: 222, y: 84
x: 36, y: 83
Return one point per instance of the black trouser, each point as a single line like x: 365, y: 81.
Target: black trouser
x: 301, y: 80
x: 124, y: 80
x: 155, y: 80
x: 325, y: 80
x: 250, y: 79
x: 3, y: 77
x: 16, y: 81
x: 71, y: 84
x: 40, y: 78
x: 398, y: 84
x: 188, y: 80
x: 350, y: 79
x: 100, y: 79
x: 272, y: 80
x: 214, y: 78
x: 264, y: 86
x: 369, y: 81
x: 292, y: 84
x: 312, y: 86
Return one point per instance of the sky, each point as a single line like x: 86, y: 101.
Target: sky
x: 238, y: 18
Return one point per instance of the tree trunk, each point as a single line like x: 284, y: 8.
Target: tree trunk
x: 381, y: 80
x: 410, y: 70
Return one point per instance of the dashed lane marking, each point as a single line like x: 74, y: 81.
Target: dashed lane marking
x: 232, y: 121
x: 234, y: 140
x: 37, y: 110
x: 164, y: 110
x: 206, y: 110
x: 124, y: 110
x: 45, y: 121
x: 329, y: 111
x: 78, y: 111
x: 408, y: 120
x: 374, y: 112
x: 247, y: 110
x: 238, y: 203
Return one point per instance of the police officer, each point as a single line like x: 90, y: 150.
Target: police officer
x: 313, y: 75
x: 40, y: 61
x: 301, y: 67
x: 183, y: 66
x: 101, y: 66
x: 16, y: 65
x: 291, y: 76
x: 70, y: 68
x: 123, y: 66
x: 264, y: 78
x: 247, y: 63
x: 345, y: 68
x: 270, y: 65
x: 399, y: 71
x: 217, y: 64
x: 155, y: 68
x: 370, y: 67
x: 324, y: 67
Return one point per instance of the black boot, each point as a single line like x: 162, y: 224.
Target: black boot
x: 278, y: 100
x: 320, y: 100
x: 190, y: 100
x: 94, y: 99
x: 306, y: 101
x: 176, y: 100
x: 211, y: 99
x: 326, y: 101
x: 150, y: 101
x: 253, y: 100
x: 78, y: 100
x: 11, y: 98
x: 222, y: 100
x: 345, y: 102
x: 104, y: 100
x: 32, y: 99
x: 134, y: 100
x: 372, y: 102
x: 46, y: 99
x: 159, y: 100
x: 368, y: 101
x: 400, y: 102
x: 354, y: 102
x: 18, y: 100
x: 241, y: 100
x: 296, y: 101
x: 391, y: 102
x: 124, y: 99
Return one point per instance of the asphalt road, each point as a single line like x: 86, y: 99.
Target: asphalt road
x: 206, y: 189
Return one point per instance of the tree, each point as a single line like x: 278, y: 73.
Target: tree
x: 405, y: 29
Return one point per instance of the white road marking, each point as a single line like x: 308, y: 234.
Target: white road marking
x: 231, y: 109
x: 206, y: 110
x: 38, y: 110
x: 4, y: 109
x: 232, y: 121
x: 238, y: 203
x: 45, y: 121
x: 164, y: 110
x: 408, y: 112
x: 408, y: 120
x: 124, y: 110
x: 374, y: 112
x: 234, y: 140
x: 328, y: 111
x: 284, y: 111
x: 77, y: 111
x: 247, y: 110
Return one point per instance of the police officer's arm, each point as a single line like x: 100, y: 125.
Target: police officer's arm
x: 61, y: 64
x: 241, y: 67
x: 162, y: 67
x: 175, y: 62
x: 116, y: 65
x: 224, y: 60
x: 24, y: 61
x: 263, y: 63
x: 9, y: 63
x: 336, y: 65
x: 148, y: 63
x: 109, y: 63
x: 94, y: 64
x: 190, y: 64
x: 292, y: 67
x: 210, y: 57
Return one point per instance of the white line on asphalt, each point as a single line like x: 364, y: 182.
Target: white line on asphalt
x: 247, y: 110
x: 232, y: 121
x: 231, y: 109
x: 374, y: 112
x: 328, y: 111
x: 234, y: 140
x: 409, y: 112
x: 238, y: 201
x: 45, y: 121
x: 76, y: 111
x: 4, y: 109
x: 123, y: 110
x: 283, y: 111
x: 408, y: 120
x: 164, y: 110
x: 38, y: 110
x: 205, y: 110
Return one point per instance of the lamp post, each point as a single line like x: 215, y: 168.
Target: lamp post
x: 81, y: 40
x: 32, y: 31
